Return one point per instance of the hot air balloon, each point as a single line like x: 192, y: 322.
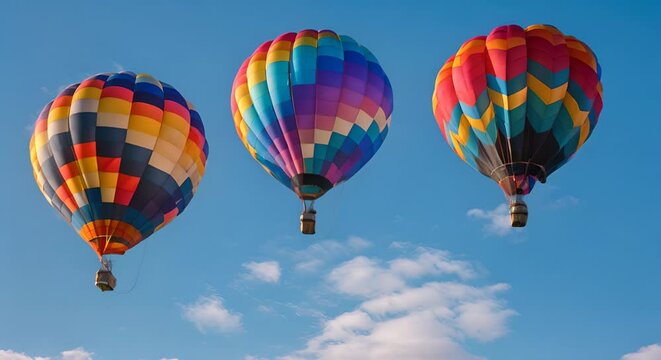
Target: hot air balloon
x: 517, y: 104
x: 119, y: 156
x: 312, y: 108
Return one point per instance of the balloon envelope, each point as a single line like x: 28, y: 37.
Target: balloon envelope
x: 119, y: 156
x: 312, y: 108
x: 517, y: 104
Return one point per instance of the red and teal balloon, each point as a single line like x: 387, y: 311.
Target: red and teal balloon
x: 312, y: 108
x: 518, y: 104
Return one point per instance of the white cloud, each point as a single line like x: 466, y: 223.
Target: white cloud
x: 209, y: 314
x: 651, y: 352
x: 315, y: 256
x: 267, y: 271
x: 399, y: 319
x: 74, y: 354
x: 251, y: 357
x: 365, y: 277
x: 498, y: 219
x: 77, y: 354
x: 13, y: 355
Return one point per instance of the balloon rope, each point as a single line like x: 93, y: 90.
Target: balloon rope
x: 137, y: 275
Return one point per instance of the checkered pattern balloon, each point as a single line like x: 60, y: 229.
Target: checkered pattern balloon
x: 518, y: 103
x: 312, y: 108
x: 119, y: 156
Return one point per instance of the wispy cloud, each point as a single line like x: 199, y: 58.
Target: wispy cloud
x: 251, y: 357
x: 74, y: 354
x: 497, y: 220
x: 77, y: 354
x: 317, y: 255
x: 399, y: 318
x: 209, y: 314
x: 117, y: 66
x: 564, y: 202
x: 266, y: 271
x: 651, y: 352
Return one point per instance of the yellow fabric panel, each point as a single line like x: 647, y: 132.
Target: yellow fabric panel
x: 305, y: 41
x: 58, y: 113
x: 243, y: 99
x: 40, y: 140
x: 89, y: 92
x: 548, y: 95
x: 173, y: 136
x: 278, y: 55
x: 509, y: 102
x: 87, y: 164
x: 75, y: 184
x: 108, y: 182
x: 191, y: 149
x: 464, y: 130
x: 456, y: 147
x: 256, y: 72
x: 176, y: 122
x: 91, y: 180
x: 144, y: 124
x: 482, y: 123
x: 168, y: 150
x: 114, y: 106
x: 577, y: 115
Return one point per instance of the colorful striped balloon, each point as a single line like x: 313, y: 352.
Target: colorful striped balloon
x: 312, y: 108
x: 119, y: 156
x: 517, y: 104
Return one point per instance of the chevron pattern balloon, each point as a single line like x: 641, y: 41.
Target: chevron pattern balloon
x: 517, y: 104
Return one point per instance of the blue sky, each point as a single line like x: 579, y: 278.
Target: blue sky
x: 233, y: 278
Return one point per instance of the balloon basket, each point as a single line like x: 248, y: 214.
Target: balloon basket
x: 519, y: 214
x: 308, y: 221
x: 105, y: 280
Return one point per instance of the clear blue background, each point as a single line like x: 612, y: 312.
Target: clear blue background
x: 585, y: 278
